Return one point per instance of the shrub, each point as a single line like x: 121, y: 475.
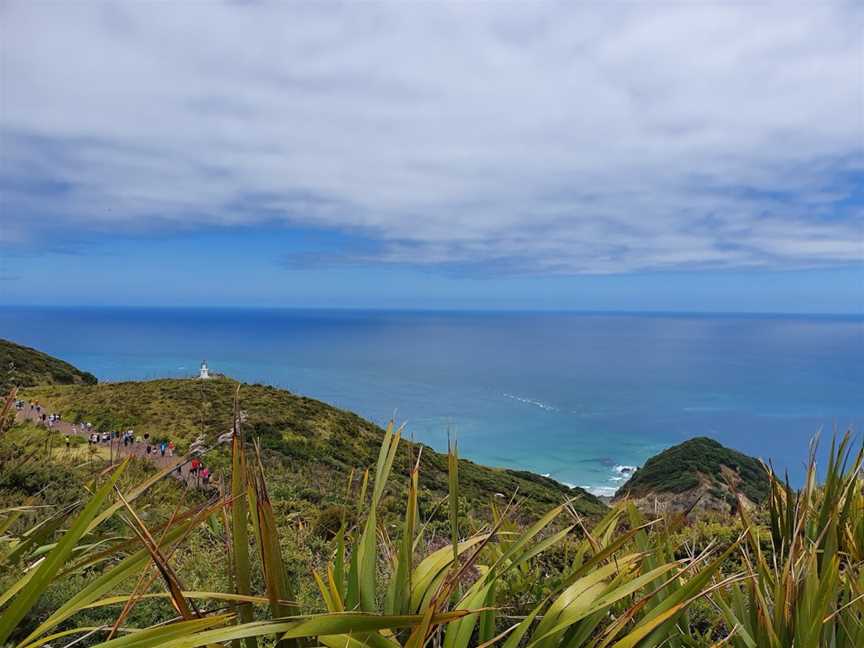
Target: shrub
x: 330, y: 520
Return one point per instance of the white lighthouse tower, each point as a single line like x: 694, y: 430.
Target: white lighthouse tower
x: 204, y: 374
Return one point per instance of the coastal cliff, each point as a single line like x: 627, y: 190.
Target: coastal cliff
x: 700, y: 476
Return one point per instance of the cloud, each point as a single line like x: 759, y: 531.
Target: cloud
x: 542, y: 138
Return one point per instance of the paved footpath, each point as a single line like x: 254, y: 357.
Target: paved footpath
x: 116, y: 447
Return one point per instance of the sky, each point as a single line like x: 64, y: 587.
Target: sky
x: 690, y: 156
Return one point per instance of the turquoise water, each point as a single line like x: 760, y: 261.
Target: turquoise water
x: 574, y: 396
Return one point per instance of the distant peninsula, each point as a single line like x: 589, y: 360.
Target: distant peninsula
x: 315, y: 445
x: 309, y: 444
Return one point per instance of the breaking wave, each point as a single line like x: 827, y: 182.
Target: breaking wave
x: 601, y: 491
x: 531, y: 401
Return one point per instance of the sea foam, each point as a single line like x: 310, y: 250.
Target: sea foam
x: 531, y: 401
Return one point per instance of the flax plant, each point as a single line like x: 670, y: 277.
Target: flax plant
x: 622, y: 587
x: 619, y: 590
x: 805, y: 582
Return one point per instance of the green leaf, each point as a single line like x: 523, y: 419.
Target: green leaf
x: 239, y: 515
x: 56, y: 558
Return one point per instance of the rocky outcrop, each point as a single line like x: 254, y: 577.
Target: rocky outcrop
x: 699, y: 476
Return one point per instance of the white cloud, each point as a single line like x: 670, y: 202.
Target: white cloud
x: 541, y: 138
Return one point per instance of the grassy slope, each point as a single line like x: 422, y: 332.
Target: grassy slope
x: 311, y: 447
x: 51, y: 480
x: 25, y: 367
x: 679, y: 468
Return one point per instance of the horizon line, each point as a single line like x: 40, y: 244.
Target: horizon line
x: 391, y: 309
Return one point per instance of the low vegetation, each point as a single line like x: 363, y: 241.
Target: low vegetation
x: 806, y: 587
x: 324, y: 530
x: 699, y: 461
x: 25, y: 367
x: 160, y: 566
x: 308, y: 447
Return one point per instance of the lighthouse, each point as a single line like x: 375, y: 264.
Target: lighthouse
x: 204, y: 374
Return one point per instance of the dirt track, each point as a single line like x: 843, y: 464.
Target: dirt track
x: 115, y: 447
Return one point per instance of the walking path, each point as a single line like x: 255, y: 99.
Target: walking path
x: 116, y: 448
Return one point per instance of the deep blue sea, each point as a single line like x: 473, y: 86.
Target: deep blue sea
x: 573, y: 396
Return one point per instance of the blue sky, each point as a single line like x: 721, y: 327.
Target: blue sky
x: 700, y: 157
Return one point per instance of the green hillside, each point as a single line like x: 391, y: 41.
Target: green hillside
x: 312, y: 446
x: 388, y: 563
x: 24, y: 367
x: 698, y: 462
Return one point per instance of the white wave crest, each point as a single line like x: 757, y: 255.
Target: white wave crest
x: 531, y: 401
x: 601, y: 491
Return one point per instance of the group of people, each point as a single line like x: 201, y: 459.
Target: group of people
x: 199, y: 471
x: 41, y: 416
x: 163, y: 447
x: 97, y: 437
x: 33, y: 405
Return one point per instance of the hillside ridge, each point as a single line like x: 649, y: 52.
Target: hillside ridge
x: 699, y: 473
x: 313, y: 445
x: 23, y: 366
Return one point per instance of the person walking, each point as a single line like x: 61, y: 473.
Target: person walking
x: 170, y: 448
x: 162, y: 448
x: 68, y: 442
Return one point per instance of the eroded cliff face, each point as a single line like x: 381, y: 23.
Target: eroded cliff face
x: 707, y: 498
x: 699, y: 476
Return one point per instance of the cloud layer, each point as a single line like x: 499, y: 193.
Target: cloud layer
x: 550, y: 138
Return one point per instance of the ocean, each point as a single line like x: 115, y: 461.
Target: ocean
x: 576, y: 396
